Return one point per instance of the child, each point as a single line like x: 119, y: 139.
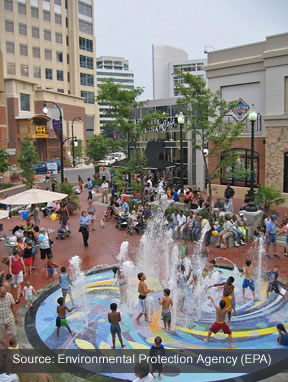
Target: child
x: 166, y: 303
x: 7, y: 282
x: 182, y: 285
x: 28, y: 257
x: 228, y: 293
x: 248, y: 281
x: 13, y: 345
x: 143, y: 291
x: 61, y: 318
x: 114, y: 318
x: 28, y: 291
x: 157, y: 350
x: 208, y: 268
x: 65, y: 284
x: 194, y: 281
x: 283, y: 336
x: 220, y: 323
x: 49, y: 266
x: 273, y: 284
x: 122, y: 282
x: 141, y: 371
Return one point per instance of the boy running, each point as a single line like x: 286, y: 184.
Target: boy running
x: 61, y: 318
x: 166, y: 303
x: 248, y: 281
x: 114, y: 318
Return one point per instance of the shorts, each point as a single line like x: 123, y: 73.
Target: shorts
x: 45, y: 252
x: 248, y: 284
x: 28, y: 298
x: 273, y: 287
x: 228, y: 302
x: 115, y: 328
x: 223, y: 326
x: 142, y: 303
x: 272, y: 238
x: 166, y: 315
x: 50, y: 271
x: 156, y: 367
x: 92, y: 217
x: 28, y: 261
x: 61, y: 322
x: 17, y: 279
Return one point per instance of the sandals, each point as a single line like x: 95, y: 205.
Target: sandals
x: 17, y: 301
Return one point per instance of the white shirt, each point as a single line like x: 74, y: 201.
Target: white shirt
x: 181, y: 219
x: 148, y: 378
x: 44, y: 244
x: 105, y: 186
x: 28, y: 291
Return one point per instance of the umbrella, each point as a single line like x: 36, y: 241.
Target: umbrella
x: 33, y: 196
x: 3, y: 214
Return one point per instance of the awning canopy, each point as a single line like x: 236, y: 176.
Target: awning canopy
x: 33, y: 196
x: 4, y: 214
x: 33, y: 116
x: 153, y: 152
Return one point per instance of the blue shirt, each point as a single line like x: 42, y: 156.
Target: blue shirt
x: 271, y: 227
x: 89, y: 185
x: 284, y: 339
x: 125, y: 206
x: 84, y: 220
x: 175, y: 196
x: 64, y: 280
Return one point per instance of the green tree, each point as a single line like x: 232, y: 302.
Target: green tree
x: 116, y: 145
x: 269, y: 196
x: 28, y: 157
x: 79, y: 149
x: 205, y: 113
x: 97, y: 148
x: 67, y: 188
x: 4, y: 163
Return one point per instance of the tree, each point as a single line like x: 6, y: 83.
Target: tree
x: 205, y: 112
x: 269, y: 196
x: 115, y: 145
x: 28, y: 157
x: 97, y: 148
x: 79, y: 149
x: 4, y: 163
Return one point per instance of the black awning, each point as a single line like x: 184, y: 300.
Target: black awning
x: 158, y: 164
x: 153, y: 150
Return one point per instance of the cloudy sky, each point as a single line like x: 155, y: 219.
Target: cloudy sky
x: 128, y: 28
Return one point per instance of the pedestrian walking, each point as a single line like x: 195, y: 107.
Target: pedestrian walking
x: 84, y: 223
x: 8, y: 316
x: 105, y: 187
x: 89, y: 188
x: 16, y: 268
x: 91, y: 213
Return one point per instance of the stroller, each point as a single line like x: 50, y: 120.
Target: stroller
x: 122, y: 221
x: 137, y: 226
x: 63, y: 231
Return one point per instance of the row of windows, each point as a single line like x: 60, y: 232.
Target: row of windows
x: 89, y: 96
x: 84, y: 9
x: 8, y: 5
x: 86, y: 44
x: 118, y: 80
x: 9, y: 27
x: 86, y: 79
x: 36, y: 70
x: 86, y: 62
x: 112, y: 74
x: 23, y: 49
x: 85, y: 27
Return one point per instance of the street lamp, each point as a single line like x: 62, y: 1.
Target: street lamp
x: 74, y: 139
x: 181, y: 121
x: 252, y: 116
x: 45, y: 111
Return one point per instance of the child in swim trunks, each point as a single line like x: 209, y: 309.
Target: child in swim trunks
x: 248, y: 281
x: 114, y: 318
x: 273, y: 285
x: 166, y: 303
x: 61, y: 318
x: 228, y: 293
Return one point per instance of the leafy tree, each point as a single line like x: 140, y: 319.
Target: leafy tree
x: 205, y: 112
x: 79, y: 149
x: 67, y: 188
x: 269, y: 196
x: 97, y: 148
x: 28, y: 157
x: 4, y: 163
x: 115, y: 146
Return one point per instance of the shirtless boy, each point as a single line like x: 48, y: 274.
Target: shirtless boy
x: 143, y: 291
x: 248, y: 282
x: 61, y: 319
x: 114, y: 318
x: 228, y: 294
x: 208, y: 268
x: 166, y: 303
x: 220, y: 323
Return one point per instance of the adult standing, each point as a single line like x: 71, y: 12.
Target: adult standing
x: 229, y: 194
x: 84, y: 223
x: 16, y: 268
x: 45, y: 249
x: 80, y: 183
x: 35, y: 213
x: 8, y: 316
x: 89, y: 188
x: 63, y: 215
x: 91, y: 213
x: 105, y: 187
x: 271, y: 236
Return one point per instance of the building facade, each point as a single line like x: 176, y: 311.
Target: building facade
x: 115, y: 69
x: 256, y: 74
x: 49, y: 46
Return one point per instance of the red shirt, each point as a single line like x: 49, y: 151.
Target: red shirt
x: 16, y: 266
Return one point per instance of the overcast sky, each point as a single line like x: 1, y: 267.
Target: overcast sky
x: 128, y: 28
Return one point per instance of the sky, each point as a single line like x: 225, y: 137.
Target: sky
x: 128, y: 28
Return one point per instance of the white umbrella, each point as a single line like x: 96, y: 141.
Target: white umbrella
x: 3, y: 214
x: 33, y: 196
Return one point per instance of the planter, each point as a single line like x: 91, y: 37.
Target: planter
x: 14, y: 178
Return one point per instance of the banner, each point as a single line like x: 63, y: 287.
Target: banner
x: 56, y: 127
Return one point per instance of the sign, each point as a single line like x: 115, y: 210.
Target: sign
x: 11, y: 151
x: 161, y: 124
x: 52, y: 166
x: 241, y: 110
x: 40, y: 131
x: 56, y: 127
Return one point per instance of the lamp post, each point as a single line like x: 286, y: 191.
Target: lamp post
x: 252, y: 116
x: 181, y: 121
x: 45, y: 111
x: 74, y: 139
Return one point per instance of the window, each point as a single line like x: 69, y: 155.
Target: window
x: 36, y: 52
x: 232, y: 175
x: 58, y: 37
x: 35, y: 12
x: 11, y: 68
x: 85, y: 26
x: 86, y: 44
x: 286, y: 94
x: 59, y: 56
x: 60, y: 76
x: 25, y: 102
x: 60, y: 90
x: 24, y: 70
x: 89, y: 96
x: 66, y: 22
x: 35, y: 32
x: 85, y: 9
x: 22, y: 9
x: 10, y: 47
x: 48, y: 74
x: 46, y: 15
x: 58, y: 19
x: 57, y: 2
x: 23, y: 29
x: 86, y: 79
x: 86, y: 62
x: 68, y: 59
x: 48, y: 54
x: 8, y: 5
x: 47, y: 35
x: 23, y: 50
x: 9, y: 26
x: 68, y: 76
x: 36, y: 72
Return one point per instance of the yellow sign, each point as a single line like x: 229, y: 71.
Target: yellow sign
x: 40, y: 130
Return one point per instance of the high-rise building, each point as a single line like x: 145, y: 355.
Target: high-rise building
x: 48, y: 49
x: 117, y: 70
